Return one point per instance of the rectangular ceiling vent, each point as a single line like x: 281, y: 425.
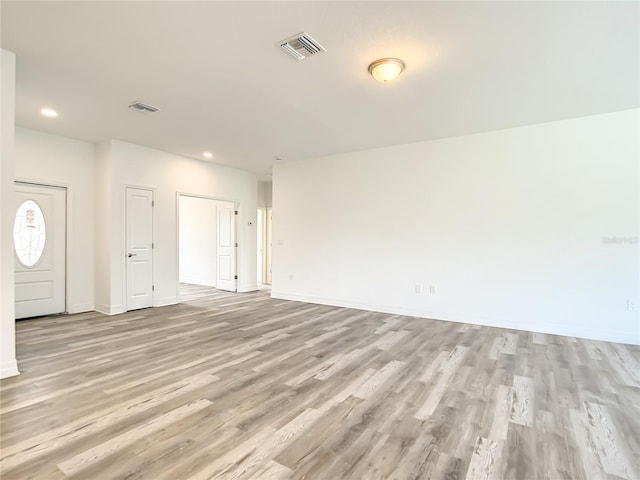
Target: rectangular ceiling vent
x: 301, y: 46
x: 144, y: 107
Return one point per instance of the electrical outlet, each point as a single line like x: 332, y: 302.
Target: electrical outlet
x: 417, y: 288
x: 291, y: 276
x: 632, y: 306
x: 432, y: 289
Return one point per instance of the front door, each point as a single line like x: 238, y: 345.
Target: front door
x: 226, y: 248
x: 139, y: 248
x: 39, y: 234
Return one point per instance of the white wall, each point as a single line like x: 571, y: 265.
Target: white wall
x: 8, y: 364
x: 508, y: 227
x: 54, y: 160
x: 103, y: 220
x: 197, y: 225
x: 265, y: 194
x: 168, y: 175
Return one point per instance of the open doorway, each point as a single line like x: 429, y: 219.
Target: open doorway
x: 197, y: 240
x: 260, y: 245
x: 264, y: 246
x: 206, y: 242
x: 268, y: 243
x: 265, y: 194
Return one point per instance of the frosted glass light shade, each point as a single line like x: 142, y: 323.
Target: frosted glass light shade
x: 29, y: 233
x: 386, y: 69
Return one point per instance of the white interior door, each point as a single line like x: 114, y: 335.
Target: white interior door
x: 260, y: 243
x: 267, y: 267
x: 139, y: 248
x: 39, y: 245
x: 226, y: 248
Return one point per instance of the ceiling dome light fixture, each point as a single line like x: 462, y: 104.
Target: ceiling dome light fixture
x: 49, y: 112
x: 386, y: 69
x: 207, y: 155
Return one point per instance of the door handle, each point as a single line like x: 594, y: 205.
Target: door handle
x: 132, y: 255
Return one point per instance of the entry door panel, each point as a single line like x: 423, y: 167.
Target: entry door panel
x: 139, y: 242
x: 226, y: 249
x: 39, y: 248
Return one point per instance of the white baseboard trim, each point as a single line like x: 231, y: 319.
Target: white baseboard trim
x: 163, y: 302
x: 602, y: 334
x: 118, y: 309
x: 109, y: 309
x: 82, y: 308
x: 207, y: 282
x: 9, y: 368
x: 100, y: 308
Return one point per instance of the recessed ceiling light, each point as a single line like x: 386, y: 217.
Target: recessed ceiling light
x: 386, y: 69
x: 49, y: 112
x: 277, y: 157
x: 207, y: 155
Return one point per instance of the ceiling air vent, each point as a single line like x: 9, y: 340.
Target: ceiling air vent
x: 143, y: 107
x: 301, y: 46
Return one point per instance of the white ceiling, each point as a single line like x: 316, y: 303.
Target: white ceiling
x: 222, y: 84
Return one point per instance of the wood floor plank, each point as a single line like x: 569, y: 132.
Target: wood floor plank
x: 242, y: 386
x: 522, y: 401
x: 591, y: 462
x: 443, y: 373
x: 376, y: 380
x: 502, y: 413
x: 270, y: 447
x: 80, y: 461
x: 271, y: 471
x: 486, y: 461
x: 49, y: 440
x: 607, y: 443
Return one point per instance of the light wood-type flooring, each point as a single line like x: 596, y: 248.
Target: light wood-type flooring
x: 242, y: 386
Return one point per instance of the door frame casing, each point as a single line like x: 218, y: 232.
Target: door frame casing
x: 261, y: 259
x: 124, y: 243
x: 268, y: 240
x: 68, y: 234
x: 236, y: 204
x: 266, y: 213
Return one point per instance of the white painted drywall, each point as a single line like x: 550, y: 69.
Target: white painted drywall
x: 508, y: 226
x: 8, y: 364
x: 197, y: 227
x: 265, y: 194
x: 103, y: 220
x: 54, y: 160
x: 168, y: 175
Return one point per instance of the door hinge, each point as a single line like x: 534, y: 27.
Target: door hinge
x: 235, y: 212
x: 153, y: 203
x: 235, y: 277
x: 236, y: 244
x: 153, y: 288
x: 153, y: 245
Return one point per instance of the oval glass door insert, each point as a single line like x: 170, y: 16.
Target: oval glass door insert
x: 29, y: 233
